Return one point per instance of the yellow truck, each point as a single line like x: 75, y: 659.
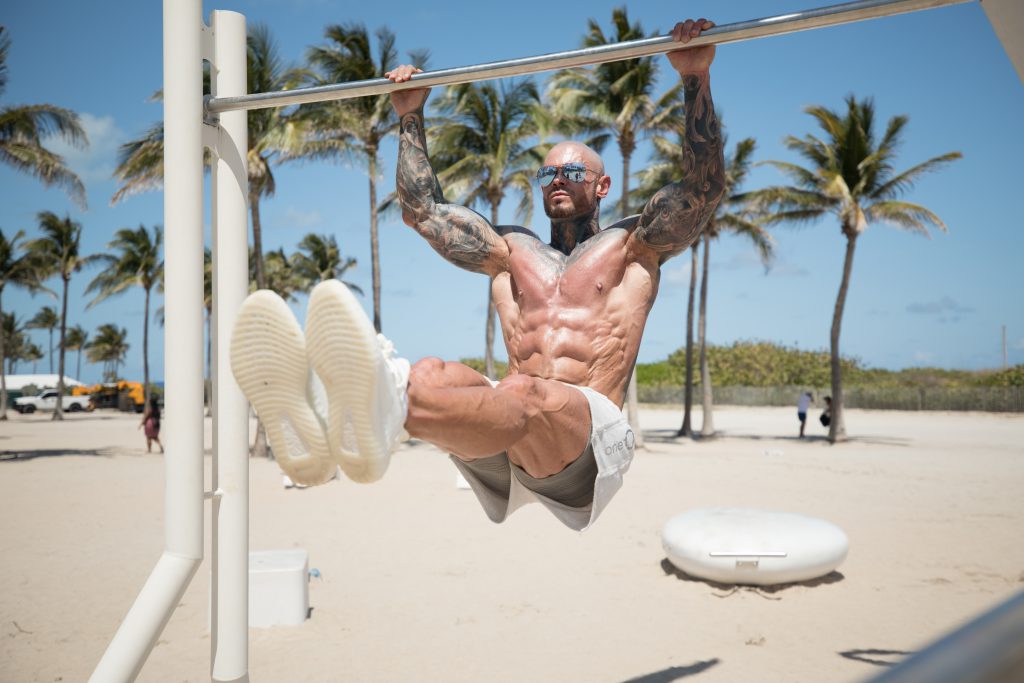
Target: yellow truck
x: 123, y: 395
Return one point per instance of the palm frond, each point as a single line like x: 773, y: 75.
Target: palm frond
x: 905, y: 215
x: 905, y: 181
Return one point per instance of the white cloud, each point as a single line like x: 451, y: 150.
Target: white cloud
x: 924, y: 356
x: 942, y: 307
x: 740, y: 260
x: 678, y: 276
x: 297, y: 218
x: 787, y: 269
x: 750, y: 260
x: 95, y: 163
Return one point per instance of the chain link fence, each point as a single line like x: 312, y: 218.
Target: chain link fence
x: 989, y: 399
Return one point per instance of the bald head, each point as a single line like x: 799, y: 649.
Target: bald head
x: 570, y: 151
x: 566, y: 199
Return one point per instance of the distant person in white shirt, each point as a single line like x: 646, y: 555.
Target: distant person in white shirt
x: 801, y: 410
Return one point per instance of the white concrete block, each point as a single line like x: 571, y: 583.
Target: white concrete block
x: 278, y: 588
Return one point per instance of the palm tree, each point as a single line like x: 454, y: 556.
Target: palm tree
x: 109, y: 347
x: 319, y: 259
x: 481, y: 153
x: 851, y: 176
x: 207, y: 307
x: 280, y: 275
x: 76, y: 340
x: 56, y: 253
x: 23, y: 128
x: 666, y: 166
x: 140, y: 163
x: 272, y: 136
x: 733, y: 215
x: 33, y: 354
x: 354, y: 128
x: 617, y: 98
x: 17, y: 270
x: 46, y: 319
x: 686, y: 429
x: 135, y: 262
x: 14, y: 334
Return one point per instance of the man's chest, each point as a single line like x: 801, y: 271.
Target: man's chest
x: 541, y: 275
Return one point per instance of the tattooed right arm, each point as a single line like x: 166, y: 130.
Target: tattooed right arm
x: 462, y: 236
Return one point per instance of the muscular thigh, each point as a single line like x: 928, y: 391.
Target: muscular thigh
x: 435, y: 373
x: 557, y: 424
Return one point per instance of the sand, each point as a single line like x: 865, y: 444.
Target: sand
x: 417, y: 585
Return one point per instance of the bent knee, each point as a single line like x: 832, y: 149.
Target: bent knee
x: 427, y: 371
x: 522, y: 386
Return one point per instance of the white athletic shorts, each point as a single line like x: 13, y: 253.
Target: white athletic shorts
x: 611, y: 442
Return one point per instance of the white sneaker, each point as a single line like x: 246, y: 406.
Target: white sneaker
x: 365, y: 381
x: 268, y: 359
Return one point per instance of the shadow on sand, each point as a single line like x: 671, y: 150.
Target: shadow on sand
x: 93, y: 416
x: 671, y: 570
x: 18, y: 456
x: 674, y: 673
x: 671, y: 436
x: 870, y: 656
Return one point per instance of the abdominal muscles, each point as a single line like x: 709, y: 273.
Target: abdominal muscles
x: 575, y: 332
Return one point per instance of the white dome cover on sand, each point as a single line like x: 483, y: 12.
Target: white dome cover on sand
x: 757, y: 547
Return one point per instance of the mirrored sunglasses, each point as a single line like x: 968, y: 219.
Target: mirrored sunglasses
x: 574, y: 172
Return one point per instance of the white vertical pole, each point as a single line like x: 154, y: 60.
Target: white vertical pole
x: 1007, y: 19
x: 183, y: 358
x: 230, y: 547
x: 183, y: 296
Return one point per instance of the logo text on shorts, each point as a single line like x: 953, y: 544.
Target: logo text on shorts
x: 626, y: 444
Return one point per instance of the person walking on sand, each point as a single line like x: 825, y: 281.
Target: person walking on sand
x: 151, y: 425
x: 801, y: 410
x: 826, y: 415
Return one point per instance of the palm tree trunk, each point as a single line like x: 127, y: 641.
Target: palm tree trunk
x: 624, y: 200
x: 145, y: 353
x: 632, y: 401
x: 687, y: 429
x: 78, y: 366
x: 3, y: 357
x: 58, y: 413
x: 491, y: 312
x: 837, y: 428
x: 50, y: 335
x: 707, y: 427
x: 257, y: 239
x: 259, y: 448
x: 374, y: 245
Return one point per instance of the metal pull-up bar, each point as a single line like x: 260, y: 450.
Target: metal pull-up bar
x: 729, y: 33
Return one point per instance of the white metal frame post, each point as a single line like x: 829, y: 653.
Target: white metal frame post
x: 230, y: 526
x: 183, y: 367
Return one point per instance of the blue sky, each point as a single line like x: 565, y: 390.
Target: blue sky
x: 913, y: 301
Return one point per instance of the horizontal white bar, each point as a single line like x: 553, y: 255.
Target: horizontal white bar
x: 728, y: 33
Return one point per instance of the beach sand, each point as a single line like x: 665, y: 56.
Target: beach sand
x: 417, y: 584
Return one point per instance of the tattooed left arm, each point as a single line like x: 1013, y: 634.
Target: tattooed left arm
x: 674, y: 217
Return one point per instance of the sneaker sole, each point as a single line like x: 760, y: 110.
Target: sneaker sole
x: 268, y: 359
x: 342, y: 348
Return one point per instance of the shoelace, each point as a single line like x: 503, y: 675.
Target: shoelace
x: 387, y: 350
x: 386, y: 347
